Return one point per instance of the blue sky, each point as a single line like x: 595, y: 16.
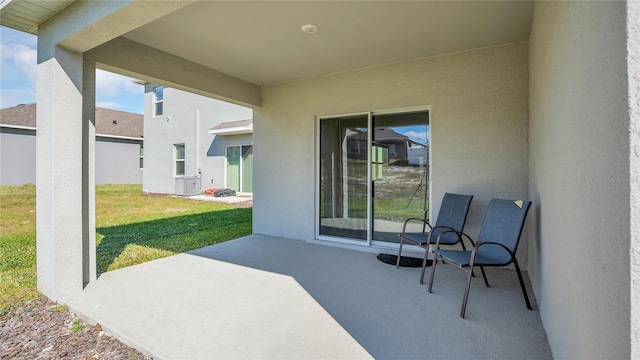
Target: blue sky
x: 418, y: 133
x: 18, y: 58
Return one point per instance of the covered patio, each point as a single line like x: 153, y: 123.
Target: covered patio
x: 269, y: 297
x: 526, y: 100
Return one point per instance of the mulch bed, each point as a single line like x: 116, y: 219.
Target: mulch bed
x: 42, y: 329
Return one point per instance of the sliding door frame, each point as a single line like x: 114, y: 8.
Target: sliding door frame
x: 347, y: 241
x: 226, y: 167
x: 337, y: 239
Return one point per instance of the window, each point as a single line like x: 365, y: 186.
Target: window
x: 158, y: 97
x: 141, y: 155
x: 178, y: 155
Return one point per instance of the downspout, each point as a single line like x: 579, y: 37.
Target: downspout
x: 198, y: 169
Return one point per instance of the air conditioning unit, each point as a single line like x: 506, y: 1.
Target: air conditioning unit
x: 187, y: 185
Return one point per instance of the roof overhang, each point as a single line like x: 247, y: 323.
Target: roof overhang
x: 17, y: 127
x: 31, y: 128
x: 238, y: 130
x: 27, y: 15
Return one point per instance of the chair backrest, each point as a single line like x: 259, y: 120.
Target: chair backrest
x: 503, y: 223
x: 453, y: 211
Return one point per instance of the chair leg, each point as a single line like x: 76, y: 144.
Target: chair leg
x: 424, y: 264
x: 466, y: 294
x: 433, y: 270
x: 524, y: 290
x: 484, y: 276
x: 399, y: 253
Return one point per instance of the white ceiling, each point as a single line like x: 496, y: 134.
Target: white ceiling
x: 261, y: 42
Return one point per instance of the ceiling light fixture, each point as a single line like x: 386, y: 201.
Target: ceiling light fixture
x: 309, y: 28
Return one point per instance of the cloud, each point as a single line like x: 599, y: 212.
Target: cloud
x: 20, y: 57
x: 420, y: 137
x: 109, y: 105
x: 113, y: 84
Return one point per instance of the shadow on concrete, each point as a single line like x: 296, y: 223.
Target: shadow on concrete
x: 388, y: 312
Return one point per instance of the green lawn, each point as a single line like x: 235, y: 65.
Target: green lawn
x: 132, y: 228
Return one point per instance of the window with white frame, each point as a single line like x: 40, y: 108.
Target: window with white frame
x: 141, y: 155
x: 158, y: 98
x: 178, y: 156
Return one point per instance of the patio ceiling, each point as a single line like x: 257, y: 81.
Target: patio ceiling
x: 262, y: 42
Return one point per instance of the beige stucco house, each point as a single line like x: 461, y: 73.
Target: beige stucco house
x: 536, y: 100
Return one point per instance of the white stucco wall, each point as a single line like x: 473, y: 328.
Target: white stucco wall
x: 17, y: 157
x: 118, y: 161
x: 177, y: 125
x: 479, y: 117
x: 579, y: 177
x: 633, y: 71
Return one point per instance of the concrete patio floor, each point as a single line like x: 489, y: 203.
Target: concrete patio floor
x: 266, y: 297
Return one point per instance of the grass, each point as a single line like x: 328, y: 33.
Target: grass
x: 58, y: 308
x: 76, y: 326
x: 132, y: 228
x: 17, y: 245
x: 399, y: 193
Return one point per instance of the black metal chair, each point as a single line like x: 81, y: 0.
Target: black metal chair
x: 496, y: 246
x: 452, y: 216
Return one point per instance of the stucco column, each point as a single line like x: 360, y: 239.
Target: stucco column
x: 89, y: 170
x: 64, y: 193
x: 633, y: 76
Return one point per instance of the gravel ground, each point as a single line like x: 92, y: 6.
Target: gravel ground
x: 42, y: 329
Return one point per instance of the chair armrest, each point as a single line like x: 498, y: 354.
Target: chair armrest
x: 459, y: 233
x: 425, y: 223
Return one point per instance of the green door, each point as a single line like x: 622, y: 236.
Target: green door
x: 247, y: 169
x: 240, y: 168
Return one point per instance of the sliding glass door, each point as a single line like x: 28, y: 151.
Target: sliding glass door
x: 240, y: 168
x: 400, y: 182
x: 343, y: 177
x: 373, y: 174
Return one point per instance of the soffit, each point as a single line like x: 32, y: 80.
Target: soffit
x: 27, y: 15
x: 261, y: 42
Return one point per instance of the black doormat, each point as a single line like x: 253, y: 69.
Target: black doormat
x: 405, y: 261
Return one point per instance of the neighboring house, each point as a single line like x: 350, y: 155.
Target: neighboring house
x: 192, y: 139
x: 525, y: 100
x: 119, y: 146
x: 398, y: 146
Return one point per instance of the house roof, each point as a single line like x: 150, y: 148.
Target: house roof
x: 384, y: 134
x: 108, y: 122
x: 233, y: 128
x: 381, y: 134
